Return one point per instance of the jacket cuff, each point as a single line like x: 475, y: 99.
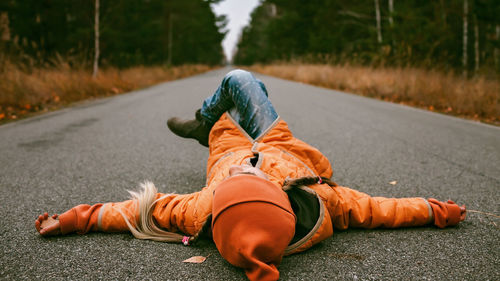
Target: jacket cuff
x: 68, y: 221
x: 445, y: 214
x: 454, y: 214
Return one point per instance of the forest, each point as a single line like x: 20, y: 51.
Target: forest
x: 54, y: 53
x: 131, y: 32
x: 458, y: 35
x: 441, y: 55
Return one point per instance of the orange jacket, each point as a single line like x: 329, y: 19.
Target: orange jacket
x: 280, y: 156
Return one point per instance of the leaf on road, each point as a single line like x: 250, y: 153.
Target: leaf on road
x: 393, y: 182
x: 195, y: 259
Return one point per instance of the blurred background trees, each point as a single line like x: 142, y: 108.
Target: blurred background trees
x: 411, y: 51
x: 451, y: 35
x: 132, y: 32
x: 426, y: 34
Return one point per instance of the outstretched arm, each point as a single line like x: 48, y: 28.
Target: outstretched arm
x: 85, y: 218
x: 172, y: 212
x: 357, y: 209
x: 147, y: 211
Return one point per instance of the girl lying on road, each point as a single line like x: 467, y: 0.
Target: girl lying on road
x: 268, y: 194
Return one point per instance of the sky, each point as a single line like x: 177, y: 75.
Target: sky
x: 238, y: 14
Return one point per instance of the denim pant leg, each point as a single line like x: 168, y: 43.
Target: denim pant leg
x: 245, y: 97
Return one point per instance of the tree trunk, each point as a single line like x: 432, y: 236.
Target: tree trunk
x: 496, y: 52
x: 170, y: 32
x: 443, y: 11
x: 379, y: 28
x: 391, y: 11
x: 96, y: 40
x: 391, y: 23
x: 464, y: 47
x: 476, y: 46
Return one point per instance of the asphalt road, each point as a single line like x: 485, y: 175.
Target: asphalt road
x: 94, y: 152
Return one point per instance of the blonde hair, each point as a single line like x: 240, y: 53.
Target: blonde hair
x: 145, y: 227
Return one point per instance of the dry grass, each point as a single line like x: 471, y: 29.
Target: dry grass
x: 477, y: 98
x: 25, y: 92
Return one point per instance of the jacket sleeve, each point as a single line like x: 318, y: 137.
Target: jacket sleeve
x: 356, y: 209
x: 185, y: 213
x: 173, y: 212
x: 99, y: 217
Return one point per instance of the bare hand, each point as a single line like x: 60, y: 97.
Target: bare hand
x: 48, y: 226
x: 463, y: 211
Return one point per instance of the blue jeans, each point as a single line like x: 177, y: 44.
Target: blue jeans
x: 245, y: 98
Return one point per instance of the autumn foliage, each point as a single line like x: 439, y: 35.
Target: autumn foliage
x: 477, y: 98
x: 24, y: 91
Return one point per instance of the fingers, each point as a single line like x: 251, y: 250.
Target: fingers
x: 38, y: 222
x: 44, y: 225
x: 463, y: 212
x: 45, y: 231
x: 52, y: 229
x: 37, y: 225
x: 43, y: 217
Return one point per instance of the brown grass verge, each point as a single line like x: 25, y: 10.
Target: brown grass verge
x: 24, y: 93
x: 477, y: 98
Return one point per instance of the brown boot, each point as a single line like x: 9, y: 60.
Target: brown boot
x: 197, y: 129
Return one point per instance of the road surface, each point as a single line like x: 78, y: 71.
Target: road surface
x: 95, y: 151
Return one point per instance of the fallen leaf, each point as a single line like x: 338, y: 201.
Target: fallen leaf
x: 195, y: 259
x: 393, y: 182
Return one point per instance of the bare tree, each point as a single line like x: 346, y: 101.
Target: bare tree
x: 443, y: 11
x: 497, y: 37
x: 391, y: 11
x: 170, y: 32
x: 391, y: 21
x: 96, y: 40
x: 379, y: 28
x: 464, y: 47
x: 476, y: 46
